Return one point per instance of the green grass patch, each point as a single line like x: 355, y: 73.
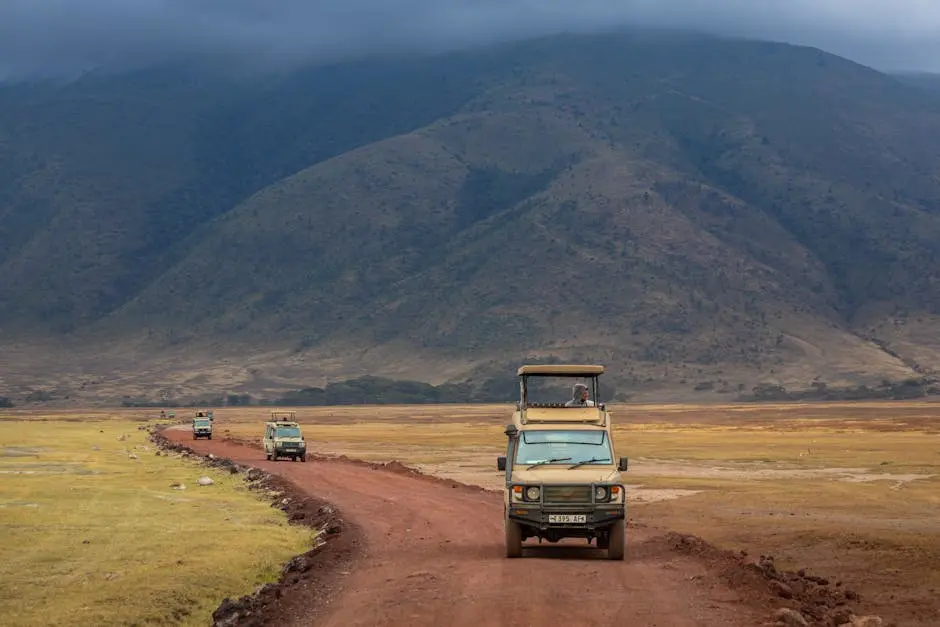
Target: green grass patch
x: 91, y: 536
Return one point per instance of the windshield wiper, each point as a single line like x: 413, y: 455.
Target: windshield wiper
x: 549, y: 461
x: 590, y: 461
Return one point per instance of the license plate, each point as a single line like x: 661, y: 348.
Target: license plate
x: 567, y: 518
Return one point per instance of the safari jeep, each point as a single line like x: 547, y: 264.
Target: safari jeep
x: 562, y: 477
x: 282, y: 438
x: 202, y: 427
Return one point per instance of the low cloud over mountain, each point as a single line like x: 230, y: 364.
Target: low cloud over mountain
x: 63, y: 36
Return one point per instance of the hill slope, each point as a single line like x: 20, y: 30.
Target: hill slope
x: 685, y: 210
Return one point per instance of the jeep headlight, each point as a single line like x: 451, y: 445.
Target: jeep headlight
x: 521, y: 493
x: 600, y: 493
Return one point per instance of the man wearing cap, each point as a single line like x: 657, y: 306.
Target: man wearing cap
x: 579, y: 397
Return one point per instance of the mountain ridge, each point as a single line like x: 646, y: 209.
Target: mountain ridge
x: 728, y: 211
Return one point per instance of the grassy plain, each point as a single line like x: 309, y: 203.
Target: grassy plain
x: 847, y: 490
x: 94, y: 534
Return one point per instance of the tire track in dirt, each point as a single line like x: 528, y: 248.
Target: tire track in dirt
x: 432, y: 554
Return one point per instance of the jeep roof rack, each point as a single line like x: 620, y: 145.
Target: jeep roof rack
x: 561, y: 370
x: 589, y: 371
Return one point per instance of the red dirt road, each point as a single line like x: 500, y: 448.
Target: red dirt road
x: 434, y: 556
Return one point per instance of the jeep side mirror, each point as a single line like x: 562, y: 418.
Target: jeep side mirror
x: 501, y: 463
x: 622, y: 464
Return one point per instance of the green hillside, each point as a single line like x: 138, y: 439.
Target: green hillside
x: 692, y: 212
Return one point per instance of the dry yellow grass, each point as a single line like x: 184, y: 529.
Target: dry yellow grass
x: 91, y: 536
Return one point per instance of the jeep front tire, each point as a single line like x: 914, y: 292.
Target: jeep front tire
x: 513, y: 539
x: 616, y: 540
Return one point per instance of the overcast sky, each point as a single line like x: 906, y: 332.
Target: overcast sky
x: 64, y: 35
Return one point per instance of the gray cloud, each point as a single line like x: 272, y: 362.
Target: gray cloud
x: 51, y: 36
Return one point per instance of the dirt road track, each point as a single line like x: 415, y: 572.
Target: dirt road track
x: 433, y: 555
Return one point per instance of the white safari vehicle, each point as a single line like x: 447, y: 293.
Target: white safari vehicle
x: 282, y: 437
x: 563, y: 479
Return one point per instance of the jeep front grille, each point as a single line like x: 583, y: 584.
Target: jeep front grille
x: 566, y: 494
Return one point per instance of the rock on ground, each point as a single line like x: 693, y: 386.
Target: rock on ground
x: 790, y: 618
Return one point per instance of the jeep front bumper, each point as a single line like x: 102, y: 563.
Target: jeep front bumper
x: 586, y: 518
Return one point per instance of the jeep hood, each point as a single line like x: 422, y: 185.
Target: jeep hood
x: 560, y: 474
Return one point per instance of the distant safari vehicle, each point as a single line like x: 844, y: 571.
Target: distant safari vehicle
x: 202, y: 428
x: 563, y: 479
x: 282, y: 437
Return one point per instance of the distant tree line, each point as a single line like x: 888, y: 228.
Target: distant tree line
x: 370, y: 390
x: 228, y: 400
x: 820, y: 391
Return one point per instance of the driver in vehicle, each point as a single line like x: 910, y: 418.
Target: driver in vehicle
x: 579, y: 397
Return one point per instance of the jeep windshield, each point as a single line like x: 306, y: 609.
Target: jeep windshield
x: 563, y: 447
x: 202, y: 423
x: 287, y: 432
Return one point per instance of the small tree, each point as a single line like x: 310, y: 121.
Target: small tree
x: 238, y: 399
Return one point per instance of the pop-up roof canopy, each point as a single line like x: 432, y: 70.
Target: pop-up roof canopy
x: 561, y: 370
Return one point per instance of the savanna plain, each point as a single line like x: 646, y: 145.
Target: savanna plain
x: 93, y: 530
